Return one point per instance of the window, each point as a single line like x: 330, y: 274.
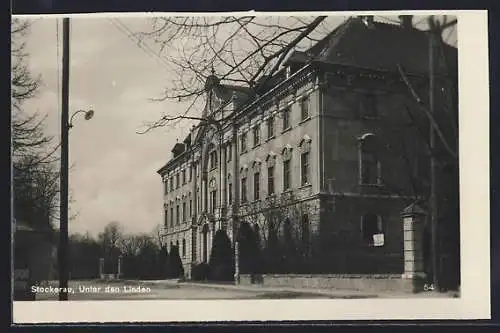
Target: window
x: 190, y: 207
x: 171, y: 216
x: 286, y: 175
x: 243, y: 190
x: 256, y: 135
x: 230, y: 193
x: 183, y: 177
x: 243, y: 140
x: 370, y: 167
x: 270, y: 127
x: 183, y: 247
x: 213, y: 201
x: 304, y: 108
x: 177, y: 182
x: 171, y: 183
x: 286, y: 118
x: 165, y: 185
x: 229, y: 152
x: 368, y: 106
x: 190, y: 173
x: 213, y: 160
x: 177, y: 215
x: 166, y: 218
x: 184, y: 211
x: 304, y: 167
x: 371, y: 224
x: 270, y: 180
x: 256, y: 186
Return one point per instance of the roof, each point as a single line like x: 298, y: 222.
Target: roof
x: 227, y: 91
x: 376, y: 46
x: 379, y: 46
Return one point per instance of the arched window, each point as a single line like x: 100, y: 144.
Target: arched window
x: 213, y: 159
x: 213, y: 195
x: 256, y: 185
x: 243, y: 183
x: 369, y: 163
x: 305, y: 160
x: 286, y: 155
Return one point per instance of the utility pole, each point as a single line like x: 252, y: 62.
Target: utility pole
x: 433, y: 31
x: 63, y: 226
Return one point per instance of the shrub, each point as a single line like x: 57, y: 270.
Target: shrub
x: 200, y: 272
x: 175, y: 267
x: 221, y: 256
x: 222, y: 273
x: 250, y: 255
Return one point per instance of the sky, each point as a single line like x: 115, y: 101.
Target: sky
x: 113, y: 175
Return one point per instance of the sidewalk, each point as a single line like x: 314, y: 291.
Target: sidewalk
x: 333, y: 293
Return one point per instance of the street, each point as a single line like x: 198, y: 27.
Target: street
x: 131, y: 290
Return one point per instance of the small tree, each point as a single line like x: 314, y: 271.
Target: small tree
x: 175, y: 267
x: 250, y: 259
x: 163, y: 262
x: 221, y: 258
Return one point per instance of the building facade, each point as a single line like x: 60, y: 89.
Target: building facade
x: 330, y: 149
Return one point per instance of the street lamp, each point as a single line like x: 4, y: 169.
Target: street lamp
x: 88, y: 115
x: 64, y: 182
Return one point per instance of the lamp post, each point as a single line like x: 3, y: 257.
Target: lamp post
x: 64, y: 210
x: 66, y: 124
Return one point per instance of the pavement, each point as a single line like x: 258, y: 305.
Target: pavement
x: 174, y: 289
x: 328, y: 293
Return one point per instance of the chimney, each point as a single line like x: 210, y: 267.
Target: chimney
x: 406, y: 21
x: 368, y: 20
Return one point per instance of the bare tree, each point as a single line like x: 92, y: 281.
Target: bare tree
x: 35, y: 174
x: 279, y: 222
x: 157, y: 235
x: 242, y: 50
x: 110, y: 240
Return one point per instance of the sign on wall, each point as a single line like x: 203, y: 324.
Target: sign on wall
x: 378, y: 240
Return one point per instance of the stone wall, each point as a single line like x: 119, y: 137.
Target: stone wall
x: 365, y: 283
x: 340, y: 243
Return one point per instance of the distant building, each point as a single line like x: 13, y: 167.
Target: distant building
x: 335, y: 133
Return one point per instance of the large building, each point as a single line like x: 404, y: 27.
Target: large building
x: 332, y: 147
